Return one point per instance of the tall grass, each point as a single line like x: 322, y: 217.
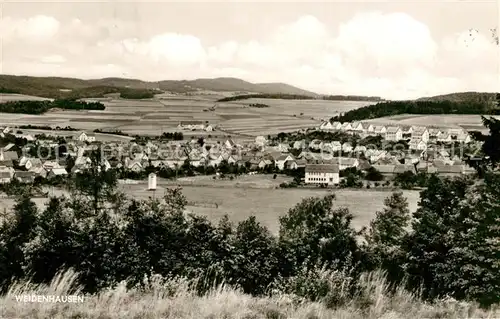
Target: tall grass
x: 175, y: 298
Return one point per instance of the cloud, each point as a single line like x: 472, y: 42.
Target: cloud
x: 390, y: 55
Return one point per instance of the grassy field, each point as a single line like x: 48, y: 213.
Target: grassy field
x: 155, y: 116
x: 253, y: 195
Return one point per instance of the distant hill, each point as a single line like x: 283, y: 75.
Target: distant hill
x: 463, y: 97
x: 59, y: 87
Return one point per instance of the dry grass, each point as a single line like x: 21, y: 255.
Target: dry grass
x: 173, y: 299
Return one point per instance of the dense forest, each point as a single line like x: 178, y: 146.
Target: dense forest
x: 40, y: 107
x: 392, y: 108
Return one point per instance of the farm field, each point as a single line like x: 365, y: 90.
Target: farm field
x: 4, y: 97
x: 155, y: 116
x: 468, y: 122
x: 254, y: 195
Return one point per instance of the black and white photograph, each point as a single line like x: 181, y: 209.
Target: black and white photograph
x: 249, y: 159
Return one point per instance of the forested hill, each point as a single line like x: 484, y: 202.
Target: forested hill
x: 70, y: 88
x: 301, y: 97
x: 392, y: 108
x: 464, y: 96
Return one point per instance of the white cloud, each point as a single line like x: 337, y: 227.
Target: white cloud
x: 390, y: 55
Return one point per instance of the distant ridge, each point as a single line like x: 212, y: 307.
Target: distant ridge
x: 56, y: 87
x: 464, y: 97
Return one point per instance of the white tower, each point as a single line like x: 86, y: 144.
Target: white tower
x: 152, y: 182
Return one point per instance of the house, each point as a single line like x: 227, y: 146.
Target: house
x: 394, y: 133
x: 191, y: 125
x: 57, y: 172
x: 417, y: 144
x: 28, y: 162
x: 209, y: 128
x: 280, y: 161
x: 8, y: 155
x: 346, y: 126
x: 421, y: 133
x: 464, y: 138
x: 360, y: 149
x: 25, y: 177
x: 322, y: 174
x: 336, y: 146
x: 6, y: 174
x: 357, y: 127
x: 336, y: 126
x: 379, y: 130
x: 444, y: 138
x: 326, y: 126
x: 403, y: 168
x: 260, y: 140
x: 386, y: 170
x: 229, y: 144
x: 345, y: 162
x: 407, y: 130
x: 86, y: 137
x: 346, y: 147
x: 299, y: 145
x: 39, y: 171
x: 134, y: 166
x: 9, y: 147
x: 369, y: 128
x: 264, y: 162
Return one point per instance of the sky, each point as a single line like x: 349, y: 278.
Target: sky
x: 393, y: 49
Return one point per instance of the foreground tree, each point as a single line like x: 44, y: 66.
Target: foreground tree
x: 386, y: 234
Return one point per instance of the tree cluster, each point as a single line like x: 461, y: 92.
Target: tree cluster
x: 40, y: 107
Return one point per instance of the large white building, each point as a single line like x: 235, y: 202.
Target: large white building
x: 322, y: 174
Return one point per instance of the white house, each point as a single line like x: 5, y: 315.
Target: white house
x: 229, y: 144
x: 191, y: 125
x: 85, y: 137
x: 345, y: 162
x: 346, y: 126
x: 357, y: 126
x: 346, y: 147
x: 6, y: 174
x: 380, y: 129
x: 369, y: 128
x: 280, y: 161
x: 327, y: 126
x: 322, y: 174
x: 336, y: 125
x: 444, y: 137
x: 209, y: 128
x: 417, y: 144
x: 394, y: 133
x: 57, y: 172
x: 336, y: 146
x: 260, y: 140
x: 421, y: 133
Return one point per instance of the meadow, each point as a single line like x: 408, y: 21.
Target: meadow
x: 163, y: 114
x: 256, y: 195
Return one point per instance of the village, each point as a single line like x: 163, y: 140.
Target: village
x: 318, y: 161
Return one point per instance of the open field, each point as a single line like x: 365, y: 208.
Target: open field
x: 468, y: 122
x: 5, y: 97
x: 254, y: 195
x: 155, y: 116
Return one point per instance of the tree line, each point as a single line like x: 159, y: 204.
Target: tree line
x: 40, y: 107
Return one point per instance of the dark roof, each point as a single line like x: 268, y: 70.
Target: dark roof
x: 322, y: 168
x: 24, y: 174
